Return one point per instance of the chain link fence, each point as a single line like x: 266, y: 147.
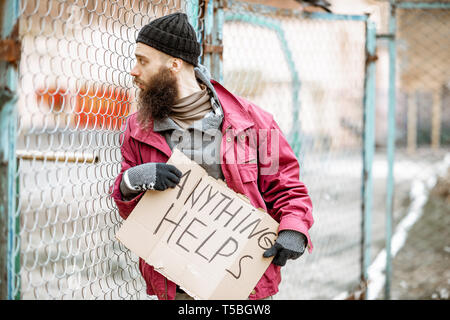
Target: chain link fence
x: 424, y: 76
x: 75, y: 93
x: 423, y: 143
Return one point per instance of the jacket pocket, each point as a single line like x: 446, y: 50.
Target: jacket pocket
x: 248, y: 172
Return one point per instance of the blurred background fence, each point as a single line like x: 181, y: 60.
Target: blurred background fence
x: 413, y: 119
x: 63, y: 108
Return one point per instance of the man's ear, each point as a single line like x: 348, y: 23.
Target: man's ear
x: 175, y: 64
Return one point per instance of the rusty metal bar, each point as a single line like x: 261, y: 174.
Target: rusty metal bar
x: 61, y: 156
x: 10, y: 47
x: 209, y: 48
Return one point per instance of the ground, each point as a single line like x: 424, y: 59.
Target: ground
x: 421, y: 269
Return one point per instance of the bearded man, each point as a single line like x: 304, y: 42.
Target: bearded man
x: 230, y: 137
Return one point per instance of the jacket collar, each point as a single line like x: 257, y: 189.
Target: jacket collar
x: 236, y: 117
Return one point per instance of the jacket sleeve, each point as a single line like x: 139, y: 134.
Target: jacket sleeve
x: 129, y: 159
x: 286, y: 197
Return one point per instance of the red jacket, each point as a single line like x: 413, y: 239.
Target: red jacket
x: 280, y: 193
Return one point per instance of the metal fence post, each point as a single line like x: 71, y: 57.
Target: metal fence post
x: 192, y: 13
x: 368, y: 150
x: 9, y: 56
x: 211, y: 40
x: 390, y: 146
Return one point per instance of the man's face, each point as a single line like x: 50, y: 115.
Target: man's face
x: 148, y: 62
x: 158, y: 85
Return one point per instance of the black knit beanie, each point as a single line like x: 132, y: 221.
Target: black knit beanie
x: 173, y: 35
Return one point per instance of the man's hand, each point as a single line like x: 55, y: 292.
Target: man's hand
x: 149, y: 176
x: 290, y: 244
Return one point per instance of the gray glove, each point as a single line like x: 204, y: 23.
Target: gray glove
x: 149, y: 176
x: 290, y: 244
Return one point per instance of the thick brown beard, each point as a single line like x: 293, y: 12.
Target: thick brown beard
x: 156, y: 100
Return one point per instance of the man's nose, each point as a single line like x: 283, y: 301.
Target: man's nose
x: 134, y: 72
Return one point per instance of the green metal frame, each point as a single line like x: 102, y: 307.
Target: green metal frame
x: 9, y: 234
x: 420, y: 5
x: 213, y: 28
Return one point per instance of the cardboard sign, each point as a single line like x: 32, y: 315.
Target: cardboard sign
x: 201, y: 235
